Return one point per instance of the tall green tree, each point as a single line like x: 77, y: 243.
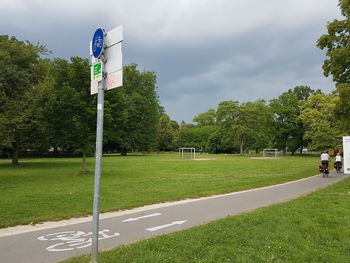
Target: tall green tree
x: 82, y: 139
x: 207, y: 118
x: 286, y: 113
x: 21, y: 69
x: 139, y: 119
x: 68, y: 110
x: 289, y: 129
x: 244, y: 122
x: 336, y: 44
x: 323, y: 130
x: 342, y: 107
x: 303, y: 92
x: 196, y: 136
x: 167, y: 134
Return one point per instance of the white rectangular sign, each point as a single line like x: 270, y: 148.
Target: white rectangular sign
x: 114, y: 60
x: 346, y: 154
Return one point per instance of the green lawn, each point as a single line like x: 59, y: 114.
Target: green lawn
x: 314, y: 228
x: 51, y: 189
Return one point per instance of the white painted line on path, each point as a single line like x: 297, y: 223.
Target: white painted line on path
x: 131, y: 219
x: 152, y: 229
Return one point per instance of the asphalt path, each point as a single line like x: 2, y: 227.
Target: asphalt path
x: 53, y: 242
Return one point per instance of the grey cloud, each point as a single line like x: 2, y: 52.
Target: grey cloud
x: 202, y: 51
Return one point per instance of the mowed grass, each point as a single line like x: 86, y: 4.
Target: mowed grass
x: 52, y: 189
x: 313, y: 228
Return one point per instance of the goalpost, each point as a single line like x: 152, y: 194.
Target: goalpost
x: 272, y: 153
x: 187, y: 153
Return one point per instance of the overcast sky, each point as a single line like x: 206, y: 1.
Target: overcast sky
x: 202, y: 51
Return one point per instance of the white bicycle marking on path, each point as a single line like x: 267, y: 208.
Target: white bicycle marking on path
x: 131, y: 219
x: 73, y: 239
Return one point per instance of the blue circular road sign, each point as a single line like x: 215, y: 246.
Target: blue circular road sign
x: 98, y: 42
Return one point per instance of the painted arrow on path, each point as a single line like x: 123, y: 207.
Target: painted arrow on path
x: 131, y: 219
x: 151, y: 229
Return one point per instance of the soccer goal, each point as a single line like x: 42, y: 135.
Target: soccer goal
x: 187, y: 153
x: 271, y: 153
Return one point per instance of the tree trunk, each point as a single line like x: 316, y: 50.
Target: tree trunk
x: 241, y: 146
x: 124, y: 152
x: 15, y: 154
x: 84, y: 162
x: 55, y: 151
x: 301, y: 150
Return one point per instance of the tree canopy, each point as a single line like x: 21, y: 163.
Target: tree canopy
x: 21, y: 70
x: 336, y: 43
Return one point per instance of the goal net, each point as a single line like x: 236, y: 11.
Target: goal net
x: 272, y: 153
x: 187, y: 153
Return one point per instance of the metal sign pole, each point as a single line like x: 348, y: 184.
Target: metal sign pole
x: 103, y: 47
x: 99, y: 142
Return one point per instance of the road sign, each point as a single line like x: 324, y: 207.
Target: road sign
x: 97, y: 71
x: 112, y: 55
x: 98, y: 42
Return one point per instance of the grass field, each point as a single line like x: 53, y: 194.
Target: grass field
x: 52, y: 189
x: 313, y: 228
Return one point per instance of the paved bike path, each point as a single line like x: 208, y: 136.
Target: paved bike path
x: 58, y: 243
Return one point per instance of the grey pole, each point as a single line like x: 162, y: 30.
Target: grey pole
x: 99, y: 141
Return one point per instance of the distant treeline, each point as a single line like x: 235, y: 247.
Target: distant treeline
x: 46, y: 108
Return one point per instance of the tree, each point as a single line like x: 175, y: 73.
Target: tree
x: 196, y: 136
x: 207, y: 118
x: 218, y: 142
x: 139, y: 119
x: 183, y: 125
x: 225, y: 138
x: 166, y: 134
x: 289, y: 129
x: 342, y: 107
x: 303, y: 92
x: 322, y: 128
x: 345, y: 7
x: 253, y: 123
x: 67, y: 109
x: 245, y: 121
x: 56, y: 102
x: 21, y: 69
x: 336, y: 44
x: 286, y: 112
x: 82, y: 138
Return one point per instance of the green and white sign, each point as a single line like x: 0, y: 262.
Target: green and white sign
x: 97, y: 71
